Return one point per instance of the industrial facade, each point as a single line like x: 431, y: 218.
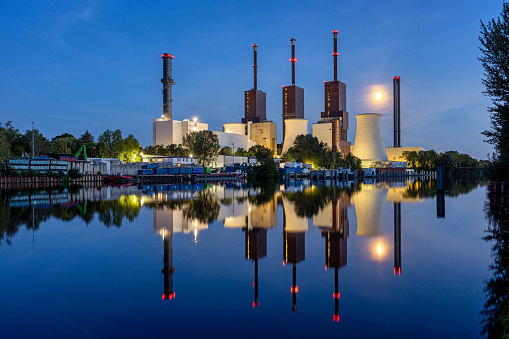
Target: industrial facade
x: 255, y: 103
x: 264, y: 134
x: 332, y: 127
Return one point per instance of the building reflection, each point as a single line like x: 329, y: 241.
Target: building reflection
x: 294, y: 251
x: 244, y: 209
x: 334, y: 225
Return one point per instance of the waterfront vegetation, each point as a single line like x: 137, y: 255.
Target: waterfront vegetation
x: 494, y: 40
x: 307, y: 148
x: 110, y: 144
x: 454, y: 162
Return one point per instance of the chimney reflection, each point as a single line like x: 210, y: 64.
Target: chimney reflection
x: 397, y: 238
x: 333, y: 222
x: 256, y: 248
x: 294, y: 228
x: 168, y: 268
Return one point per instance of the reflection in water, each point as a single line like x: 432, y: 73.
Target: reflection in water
x: 496, y: 308
x: 294, y: 251
x: 334, y: 225
x: 255, y: 211
x: 369, y: 205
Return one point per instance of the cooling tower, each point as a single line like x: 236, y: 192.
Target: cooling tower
x: 369, y: 144
x: 369, y: 205
x: 294, y: 127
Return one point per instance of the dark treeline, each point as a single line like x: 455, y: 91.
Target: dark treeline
x: 495, y: 315
x: 110, y: 144
x: 452, y: 160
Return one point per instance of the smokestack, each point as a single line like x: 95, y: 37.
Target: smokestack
x: 335, y: 54
x: 293, y: 60
x: 255, y: 66
x: 397, y: 113
x: 167, y: 82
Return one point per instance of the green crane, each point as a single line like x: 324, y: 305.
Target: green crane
x: 84, y: 149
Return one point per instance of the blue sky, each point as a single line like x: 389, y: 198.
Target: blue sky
x: 76, y: 65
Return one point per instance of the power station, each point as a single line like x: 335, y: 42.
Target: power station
x: 332, y: 127
x: 255, y: 129
x: 293, y: 96
x: 255, y: 100
x: 167, y: 82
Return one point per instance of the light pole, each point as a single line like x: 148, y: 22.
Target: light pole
x: 33, y: 140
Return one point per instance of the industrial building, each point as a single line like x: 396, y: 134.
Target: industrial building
x: 332, y: 127
x: 166, y: 131
x: 255, y: 100
x: 264, y: 134
x: 293, y: 99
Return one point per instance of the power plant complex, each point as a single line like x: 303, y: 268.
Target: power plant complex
x: 255, y: 129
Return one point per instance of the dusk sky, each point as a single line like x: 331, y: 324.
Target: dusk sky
x: 77, y: 65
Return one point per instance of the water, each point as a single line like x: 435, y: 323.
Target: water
x: 230, y: 261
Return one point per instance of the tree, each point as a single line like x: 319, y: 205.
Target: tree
x: 86, y: 138
x: 307, y: 148
x: 353, y: 162
x: 202, y: 144
x: 494, y: 40
x: 15, y: 139
x: 334, y: 159
x: 41, y: 144
x: 110, y: 144
x: 241, y: 152
x: 261, y: 153
x: 226, y: 151
x: 5, y: 146
x: 130, y: 149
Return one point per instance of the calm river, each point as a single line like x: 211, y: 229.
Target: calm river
x: 366, y: 260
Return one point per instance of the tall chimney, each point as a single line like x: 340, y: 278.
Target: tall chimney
x: 397, y: 113
x: 293, y: 60
x: 167, y: 82
x: 335, y: 54
x: 255, y: 66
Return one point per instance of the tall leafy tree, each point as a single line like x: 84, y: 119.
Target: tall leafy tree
x: 307, y: 148
x: 202, y: 144
x: 110, y: 144
x: 494, y: 41
x: 130, y: 149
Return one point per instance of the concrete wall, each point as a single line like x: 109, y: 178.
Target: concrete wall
x: 323, y: 131
x: 127, y: 169
x: 87, y: 167
x: 166, y: 132
x: 235, y: 128
x: 265, y: 134
x: 235, y: 141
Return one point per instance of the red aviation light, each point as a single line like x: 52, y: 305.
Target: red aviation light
x: 394, y: 270
x: 294, y: 289
x: 335, y: 54
x: 164, y: 296
x: 293, y: 60
x: 326, y: 267
x: 253, y: 284
x: 399, y: 272
x: 335, y: 31
x: 336, y: 296
x: 335, y: 318
x: 284, y: 261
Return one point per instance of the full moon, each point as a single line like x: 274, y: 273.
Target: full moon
x: 378, y: 96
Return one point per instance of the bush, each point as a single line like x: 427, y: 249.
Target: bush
x: 74, y: 174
